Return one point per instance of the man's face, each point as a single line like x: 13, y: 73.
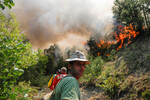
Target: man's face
x: 78, y: 68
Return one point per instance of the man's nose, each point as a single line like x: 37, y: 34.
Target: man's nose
x: 82, y: 67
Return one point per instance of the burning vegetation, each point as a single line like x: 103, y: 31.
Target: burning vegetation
x: 125, y: 36
x: 122, y: 37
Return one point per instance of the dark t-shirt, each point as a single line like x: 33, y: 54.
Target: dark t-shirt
x: 67, y: 88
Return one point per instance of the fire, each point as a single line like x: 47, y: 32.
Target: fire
x: 104, y: 45
x: 108, y: 54
x: 125, y: 36
x: 99, y: 53
x: 125, y: 33
x: 143, y: 27
x: 83, y: 43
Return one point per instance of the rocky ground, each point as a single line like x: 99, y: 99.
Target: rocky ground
x: 88, y: 93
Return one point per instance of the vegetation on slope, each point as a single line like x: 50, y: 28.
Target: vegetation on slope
x: 126, y: 76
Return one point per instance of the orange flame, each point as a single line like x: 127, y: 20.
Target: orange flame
x: 104, y: 44
x: 126, y: 33
x: 99, y: 53
x: 108, y: 54
x: 83, y: 42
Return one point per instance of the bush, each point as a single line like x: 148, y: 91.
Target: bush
x: 146, y: 95
x: 14, y: 54
x: 112, y: 77
x: 111, y: 85
x: 35, y: 72
x: 22, y: 91
x: 93, y: 70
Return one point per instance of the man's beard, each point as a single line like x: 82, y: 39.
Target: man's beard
x: 75, y: 73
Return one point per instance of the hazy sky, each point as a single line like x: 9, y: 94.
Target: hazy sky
x: 66, y: 22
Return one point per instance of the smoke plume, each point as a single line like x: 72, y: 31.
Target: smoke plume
x: 65, y: 22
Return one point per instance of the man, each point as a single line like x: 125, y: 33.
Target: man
x: 52, y: 78
x: 58, y: 78
x: 58, y: 72
x: 68, y: 87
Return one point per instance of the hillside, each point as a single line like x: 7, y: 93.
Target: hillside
x: 127, y: 76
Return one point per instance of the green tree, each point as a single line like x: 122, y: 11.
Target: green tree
x: 146, y: 11
x: 55, y: 59
x: 35, y: 72
x: 14, y: 54
x: 93, y: 48
x: 7, y: 3
x: 93, y: 70
x: 133, y: 12
x: 104, y: 49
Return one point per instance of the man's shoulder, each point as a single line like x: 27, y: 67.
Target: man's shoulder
x: 68, y: 82
x: 68, y: 78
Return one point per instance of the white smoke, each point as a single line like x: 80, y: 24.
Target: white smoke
x: 66, y: 22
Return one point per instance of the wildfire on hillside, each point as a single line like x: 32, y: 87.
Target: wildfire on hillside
x: 104, y: 45
x: 123, y: 37
x: 126, y: 35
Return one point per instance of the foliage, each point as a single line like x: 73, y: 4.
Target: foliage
x: 111, y: 78
x: 106, y: 50
x: 93, y: 48
x: 116, y: 79
x: 61, y: 63
x: 41, y: 81
x: 111, y: 56
x: 14, y: 54
x: 93, y: 70
x: 111, y: 85
x: 136, y: 86
x: 50, y: 65
x: 55, y: 59
x: 8, y: 3
x: 35, y: 72
x: 22, y: 91
x: 108, y: 82
x: 146, y: 95
x: 137, y: 56
x: 133, y: 12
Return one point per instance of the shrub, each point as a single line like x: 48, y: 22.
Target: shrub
x: 35, y: 72
x: 111, y: 85
x: 112, y: 77
x: 22, y: 91
x: 93, y: 70
x: 14, y: 54
x: 146, y: 95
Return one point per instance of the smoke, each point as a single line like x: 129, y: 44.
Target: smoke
x: 65, y: 22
